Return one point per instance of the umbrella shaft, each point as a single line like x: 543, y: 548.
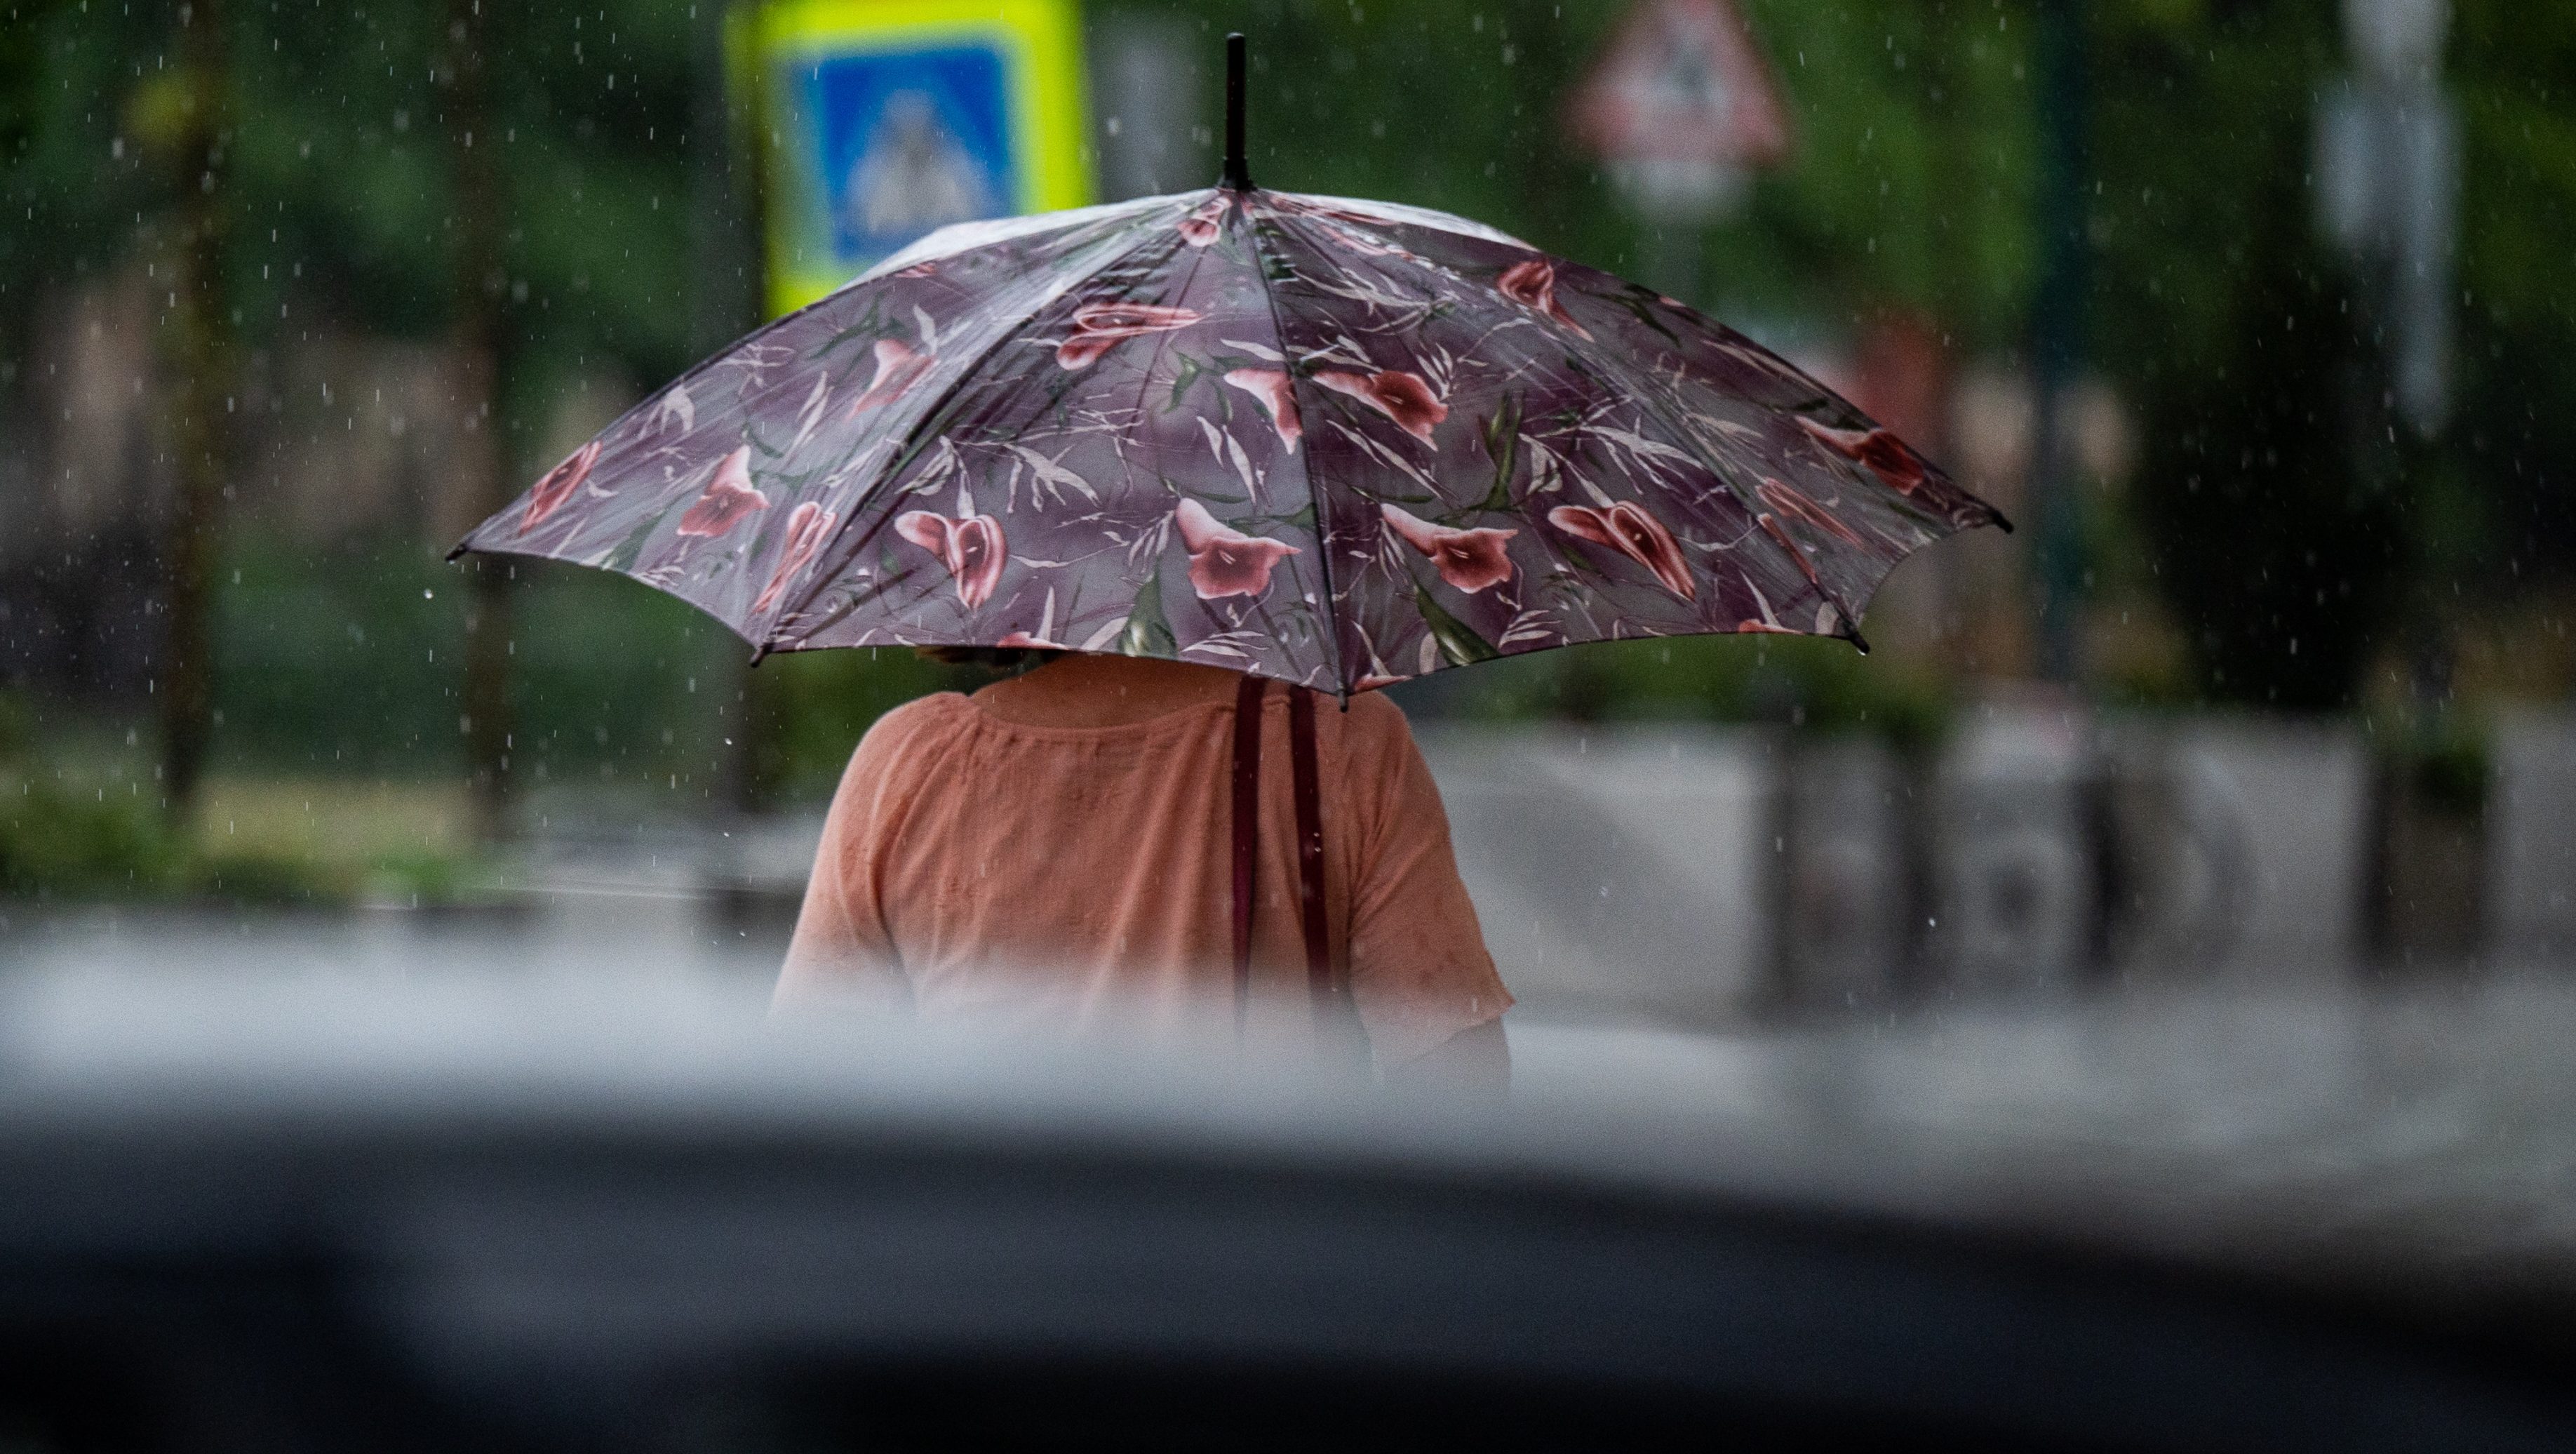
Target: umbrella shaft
x: 1238, y: 174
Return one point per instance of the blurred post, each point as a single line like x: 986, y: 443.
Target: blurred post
x: 482, y: 358
x: 2388, y: 181
x: 2057, y: 334
x: 192, y: 115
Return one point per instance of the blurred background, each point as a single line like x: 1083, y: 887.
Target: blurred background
x: 2256, y: 315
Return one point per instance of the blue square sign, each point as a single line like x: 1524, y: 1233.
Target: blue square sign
x: 885, y: 120
x: 910, y: 141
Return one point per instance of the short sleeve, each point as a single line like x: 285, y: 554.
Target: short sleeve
x: 842, y: 955
x: 1419, y: 969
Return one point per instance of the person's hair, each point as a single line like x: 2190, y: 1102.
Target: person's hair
x: 992, y: 658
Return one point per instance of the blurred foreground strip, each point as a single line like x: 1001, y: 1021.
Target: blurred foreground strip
x: 581, y: 1212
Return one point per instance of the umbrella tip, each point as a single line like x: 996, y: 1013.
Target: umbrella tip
x: 461, y: 548
x: 2000, y: 523
x: 1238, y: 173
x: 1859, y: 642
x: 758, y: 652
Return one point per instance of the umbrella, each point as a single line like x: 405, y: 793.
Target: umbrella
x: 1337, y: 442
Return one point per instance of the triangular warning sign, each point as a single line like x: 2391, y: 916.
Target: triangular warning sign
x: 1682, y: 82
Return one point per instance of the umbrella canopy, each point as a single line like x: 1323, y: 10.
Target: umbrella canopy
x: 1336, y: 442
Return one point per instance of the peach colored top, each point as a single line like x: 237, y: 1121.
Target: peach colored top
x: 1061, y: 876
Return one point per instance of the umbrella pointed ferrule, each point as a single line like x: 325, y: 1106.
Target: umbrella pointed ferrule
x: 454, y: 555
x: 1237, y: 176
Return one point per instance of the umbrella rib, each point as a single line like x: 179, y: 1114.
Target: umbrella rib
x: 913, y: 437
x: 1163, y: 343
x: 1305, y: 466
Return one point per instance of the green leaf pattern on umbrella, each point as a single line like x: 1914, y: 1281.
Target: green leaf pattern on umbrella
x: 1232, y: 428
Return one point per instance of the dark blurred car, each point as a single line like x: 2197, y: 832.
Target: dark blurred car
x: 637, y: 1219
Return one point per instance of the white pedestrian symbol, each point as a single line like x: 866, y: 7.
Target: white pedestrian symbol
x: 914, y: 174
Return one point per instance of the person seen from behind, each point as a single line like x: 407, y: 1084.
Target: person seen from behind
x: 1059, y: 851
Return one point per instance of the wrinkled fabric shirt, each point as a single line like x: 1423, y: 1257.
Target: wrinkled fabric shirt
x: 1065, y: 878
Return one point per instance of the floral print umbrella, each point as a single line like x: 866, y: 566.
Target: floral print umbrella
x: 1335, y: 442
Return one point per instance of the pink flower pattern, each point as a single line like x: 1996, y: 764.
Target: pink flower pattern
x: 1271, y: 390
x: 808, y: 526
x: 1787, y: 500
x: 1205, y: 221
x: 1347, y: 458
x: 971, y: 548
x: 1225, y: 561
x: 1469, y: 560
x: 1887, y: 456
x: 548, y: 494
x: 1626, y: 527
x: 1097, y: 327
x: 898, y: 366
x: 1532, y: 284
x: 729, y: 499
x: 1400, y: 396
x: 1780, y: 536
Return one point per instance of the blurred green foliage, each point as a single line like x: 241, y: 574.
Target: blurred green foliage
x: 82, y: 827
x: 2446, y: 763
x: 343, y: 659
x: 59, y: 841
x: 338, y: 163
x: 59, y: 837
x: 269, y: 878
x: 339, y: 660
x: 812, y: 707
x: 423, y: 878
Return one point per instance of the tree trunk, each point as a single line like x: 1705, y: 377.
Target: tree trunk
x: 198, y: 355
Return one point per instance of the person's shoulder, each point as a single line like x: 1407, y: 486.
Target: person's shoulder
x: 898, y: 731
x: 1383, y: 776
x: 919, y: 712
x: 1375, y: 714
x: 1374, y: 726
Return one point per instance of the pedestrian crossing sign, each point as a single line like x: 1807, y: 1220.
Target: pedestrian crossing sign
x: 883, y: 120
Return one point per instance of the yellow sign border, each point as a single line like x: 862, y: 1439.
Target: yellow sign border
x: 1041, y: 45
